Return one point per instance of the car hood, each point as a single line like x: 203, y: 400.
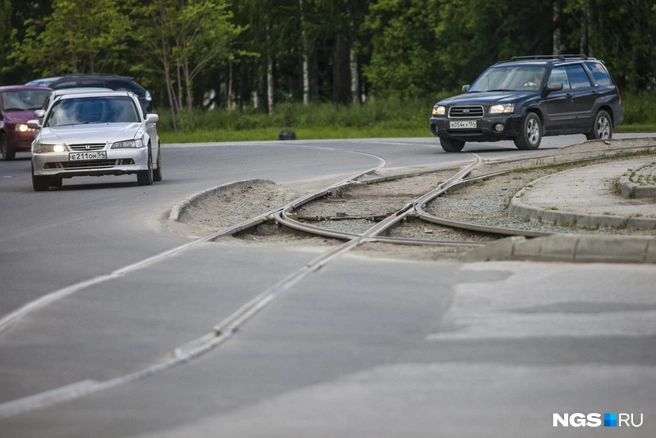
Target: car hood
x: 19, y: 116
x: 91, y: 133
x: 489, y: 98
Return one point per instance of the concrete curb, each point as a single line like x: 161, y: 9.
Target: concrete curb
x: 569, y: 248
x: 179, y: 209
x: 630, y: 189
x: 572, y: 219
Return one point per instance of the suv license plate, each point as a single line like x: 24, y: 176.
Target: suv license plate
x: 467, y: 124
x: 78, y: 156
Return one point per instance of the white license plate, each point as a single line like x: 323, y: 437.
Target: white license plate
x: 463, y: 124
x: 79, y: 156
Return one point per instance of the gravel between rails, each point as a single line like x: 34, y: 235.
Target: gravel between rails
x: 484, y: 202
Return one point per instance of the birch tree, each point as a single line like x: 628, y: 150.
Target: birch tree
x: 183, y: 37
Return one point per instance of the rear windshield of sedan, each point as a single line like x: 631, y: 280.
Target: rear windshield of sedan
x: 83, y: 110
x: 23, y: 100
x: 510, y: 78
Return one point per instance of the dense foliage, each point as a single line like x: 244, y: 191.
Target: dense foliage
x: 260, y: 54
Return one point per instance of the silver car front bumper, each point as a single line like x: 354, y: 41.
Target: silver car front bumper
x: 119, y: 162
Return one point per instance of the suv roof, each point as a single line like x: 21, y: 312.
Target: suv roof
x: 547, y: 59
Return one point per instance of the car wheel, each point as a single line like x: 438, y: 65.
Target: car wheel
x: 602, y: 127
x: 157, y: 173
x: 145, y: 177
x: 451, y: 145
x: 39, y: 183
x: 8, y: 153
x: 531, y: 133
x: 55, y: 182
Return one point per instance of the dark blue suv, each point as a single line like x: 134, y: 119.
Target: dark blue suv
x: 529, y: 97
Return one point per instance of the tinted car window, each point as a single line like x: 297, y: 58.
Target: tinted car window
x: 577, y: 76
x: 599, y: 73
x: 559, y: 75
x: 68, y: 84
x: 91, y: 83
x: 23, y: 100
x: 125, y: 85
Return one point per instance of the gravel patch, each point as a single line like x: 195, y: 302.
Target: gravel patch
x: 359, y: 206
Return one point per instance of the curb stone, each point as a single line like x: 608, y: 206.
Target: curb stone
x: 179, y: 209
x: 571, y: 219
x: 569, y: 248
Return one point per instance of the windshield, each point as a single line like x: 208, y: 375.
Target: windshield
x: 83, y: 110
x: 510, y: 78
x: 23, y: 100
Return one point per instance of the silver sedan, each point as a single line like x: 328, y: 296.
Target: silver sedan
x: 95, y: 134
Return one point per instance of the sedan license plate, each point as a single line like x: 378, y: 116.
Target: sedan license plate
x: 79, y: 156
x: 463, y: 124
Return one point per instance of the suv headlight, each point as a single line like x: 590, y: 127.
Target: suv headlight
x: 439, y: 110
x: 45, y: 148
x: 138, y: 143
x: 502, y: 109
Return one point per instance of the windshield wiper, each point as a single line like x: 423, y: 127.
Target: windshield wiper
x: 500, y: 89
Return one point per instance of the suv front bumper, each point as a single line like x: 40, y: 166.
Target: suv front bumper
x: 502, y: 127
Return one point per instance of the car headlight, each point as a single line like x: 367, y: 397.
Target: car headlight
x: 22, y: 127
x: 502, y: 109
x: 45, y: 148
x: 138, y: 143
x: 439, y: 110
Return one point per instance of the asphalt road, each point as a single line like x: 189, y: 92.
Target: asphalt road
x: 364, y: 347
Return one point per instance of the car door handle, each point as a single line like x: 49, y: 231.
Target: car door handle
x: 569, y: 95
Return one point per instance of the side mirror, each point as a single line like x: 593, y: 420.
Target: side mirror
x: 33, y: 124
x: 465, y: 88
x: 151, y: 118
x: 39, y: 113
x: 555, y: 86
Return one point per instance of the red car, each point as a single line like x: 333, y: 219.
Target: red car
x: 17, y: 105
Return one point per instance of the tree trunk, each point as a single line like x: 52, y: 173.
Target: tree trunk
x: 557, y: 30
x: 341, y: 71
x: 269, y: 80
x: 355, y: 80
x: 270, y: 84
x: 583, y: 42
x: 189, y: 93
x: 306, y: 63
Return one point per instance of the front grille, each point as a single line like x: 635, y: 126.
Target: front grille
x: 87, y: 147
x: 466, y: 111
x: 84, y: 164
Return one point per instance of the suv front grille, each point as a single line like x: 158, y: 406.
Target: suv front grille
x: 87, y: 147
x: 468, y: 111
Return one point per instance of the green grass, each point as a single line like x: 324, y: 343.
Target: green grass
x: 223, y: 135
x: 391, y: 118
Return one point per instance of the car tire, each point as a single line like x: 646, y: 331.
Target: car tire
x: 55, y: 181
x: 145, y: 177
x: 530, y: 135
x: 451, y: 145
x: 602, y: 127
x: 157, y: 173
x: 39, y: 183
x: 8, y: 153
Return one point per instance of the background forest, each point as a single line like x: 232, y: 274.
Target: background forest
x: 258, y: 61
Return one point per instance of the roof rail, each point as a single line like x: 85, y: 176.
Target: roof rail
x: 561, y: 57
